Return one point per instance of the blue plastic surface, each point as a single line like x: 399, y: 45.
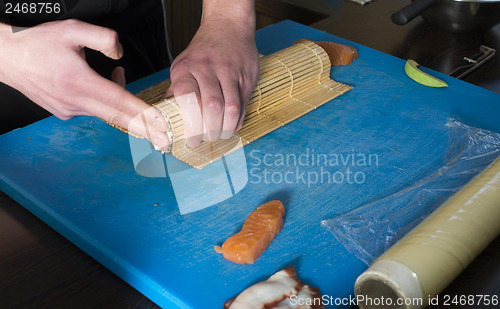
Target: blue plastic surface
x: 78, y: 177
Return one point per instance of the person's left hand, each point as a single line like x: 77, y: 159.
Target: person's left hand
x: 219, y: 68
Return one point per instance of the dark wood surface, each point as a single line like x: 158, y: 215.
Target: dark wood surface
x: 443, y: 51
x: 41, y: 269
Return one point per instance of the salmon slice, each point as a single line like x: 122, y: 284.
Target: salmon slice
x: 339, y: 54
x: 259, y: 229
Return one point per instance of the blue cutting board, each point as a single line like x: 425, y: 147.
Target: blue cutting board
x: 78, y: 177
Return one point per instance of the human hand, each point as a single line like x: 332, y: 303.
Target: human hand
x: 47, y: 64
x: 219, y: 69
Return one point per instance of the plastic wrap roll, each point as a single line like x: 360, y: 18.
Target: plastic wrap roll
x: 434, y: 253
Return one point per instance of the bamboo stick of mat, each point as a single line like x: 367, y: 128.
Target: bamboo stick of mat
x: 291, y: 83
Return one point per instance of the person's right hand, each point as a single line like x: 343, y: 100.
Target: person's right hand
x: 47, y: 64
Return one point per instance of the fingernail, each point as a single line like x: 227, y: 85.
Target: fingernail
x: 226, y: 134
x: 214, y: 135
x: 161, y: 123
x: 193, y: 142
x: 161, y: 142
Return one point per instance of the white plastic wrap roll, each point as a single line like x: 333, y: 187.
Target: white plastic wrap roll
x: 433, y: 254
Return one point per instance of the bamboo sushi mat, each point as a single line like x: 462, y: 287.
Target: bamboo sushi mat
x: 291, y: 83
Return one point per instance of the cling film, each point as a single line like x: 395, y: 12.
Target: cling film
x: 370, y: 230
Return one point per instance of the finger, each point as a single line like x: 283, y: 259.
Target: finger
x: 115, y: 98
x: 191, y: 117
x: 169, y: 92
x: 124, y: 101
x: 156, y: 137
x: 118, y: 76
x: 240, y: 123
x: 232, y: 110
x: 137, y: 124
x: 186, y: 93
x: 95, y: 37
x: 245, y: 94
x: 212, y: 106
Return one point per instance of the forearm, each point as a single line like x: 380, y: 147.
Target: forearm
x: 238, y: 13
x: 5, y: 36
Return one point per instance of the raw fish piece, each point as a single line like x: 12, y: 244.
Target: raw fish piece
x: 283, y: 290
x: 260, y: 228
x: 339, y: 54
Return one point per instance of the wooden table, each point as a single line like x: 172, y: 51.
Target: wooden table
x: 40, y: 268
x: 371, y: 25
